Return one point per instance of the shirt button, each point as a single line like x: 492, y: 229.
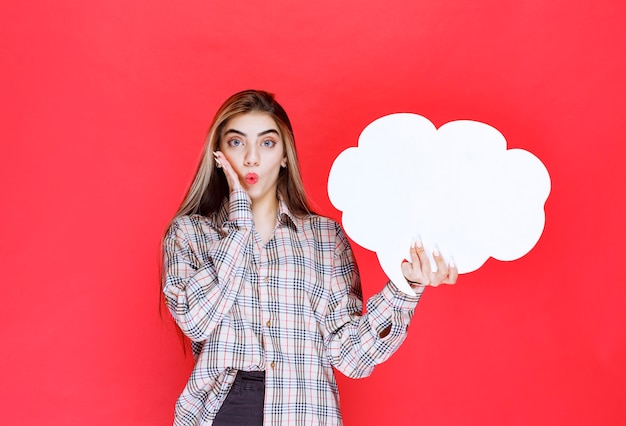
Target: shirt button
x: 268, y: 323
x: 266, y: 279
x: 273, y: 364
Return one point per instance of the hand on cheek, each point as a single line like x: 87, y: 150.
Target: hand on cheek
x: 229, y: 172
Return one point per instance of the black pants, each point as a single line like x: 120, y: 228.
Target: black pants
x: 243, y: 405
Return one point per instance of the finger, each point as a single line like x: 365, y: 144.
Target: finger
x: 418, y: 254
x: 218, y: 163
x: 453, y: 273
x: 412, y: 272
x: 221, y: 160
x: 407, y: 268
x: 231, y: 175
x: 442, y: 268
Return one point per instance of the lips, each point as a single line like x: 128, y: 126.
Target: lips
x: 252, y: 178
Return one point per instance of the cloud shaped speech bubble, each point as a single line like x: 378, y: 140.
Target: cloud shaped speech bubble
x: 457, y: 189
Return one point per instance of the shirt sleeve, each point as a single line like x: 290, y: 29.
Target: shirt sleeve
x: 200, y: 290
x: 353, y: 342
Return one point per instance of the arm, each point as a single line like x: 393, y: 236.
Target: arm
x: 200, y: 293
x: 356, y: 343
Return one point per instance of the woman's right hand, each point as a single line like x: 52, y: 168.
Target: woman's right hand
x: 231, y: 175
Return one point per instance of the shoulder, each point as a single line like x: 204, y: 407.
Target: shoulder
x: 325, y: 228
x: 316, y: 221
x: 188, y: 226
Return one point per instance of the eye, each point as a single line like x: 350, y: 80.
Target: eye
x: 235, y: 142
x: 268, y: 143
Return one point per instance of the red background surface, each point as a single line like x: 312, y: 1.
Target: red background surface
x: 104, y: 110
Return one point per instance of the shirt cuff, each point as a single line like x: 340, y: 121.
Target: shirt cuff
x: 399, y: 299
x: 239, y: 209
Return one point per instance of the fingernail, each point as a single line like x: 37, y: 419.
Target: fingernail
x: 436, y: 252
x: 452, y: 264
x: 418, y: 244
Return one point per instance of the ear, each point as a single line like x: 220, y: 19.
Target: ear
x: 283, y: 163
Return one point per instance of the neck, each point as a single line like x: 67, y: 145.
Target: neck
x: 265, y: 209
x: 264, y: 214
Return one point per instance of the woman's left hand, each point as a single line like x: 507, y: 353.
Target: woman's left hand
x: 418, y: 273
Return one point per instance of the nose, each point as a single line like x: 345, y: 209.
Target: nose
x: 252, y: 157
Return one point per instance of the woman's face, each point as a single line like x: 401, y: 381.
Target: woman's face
x: 253, y: 146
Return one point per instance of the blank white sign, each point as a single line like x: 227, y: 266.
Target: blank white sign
x: 456, y: 188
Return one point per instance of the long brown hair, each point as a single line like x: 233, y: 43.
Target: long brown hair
x: 209, y: 186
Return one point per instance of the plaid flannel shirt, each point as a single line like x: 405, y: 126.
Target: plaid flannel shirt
x: 291, y: 307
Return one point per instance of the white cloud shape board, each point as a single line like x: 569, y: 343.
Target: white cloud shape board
x: 456, y: 188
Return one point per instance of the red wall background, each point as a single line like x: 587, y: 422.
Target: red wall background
x: 104, y: 110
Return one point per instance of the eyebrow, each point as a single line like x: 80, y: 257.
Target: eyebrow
x: 263, y: 133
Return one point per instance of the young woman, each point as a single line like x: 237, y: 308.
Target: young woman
x: 268, y: 291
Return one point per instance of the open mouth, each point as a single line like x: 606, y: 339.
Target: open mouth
x: 252, y: 178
